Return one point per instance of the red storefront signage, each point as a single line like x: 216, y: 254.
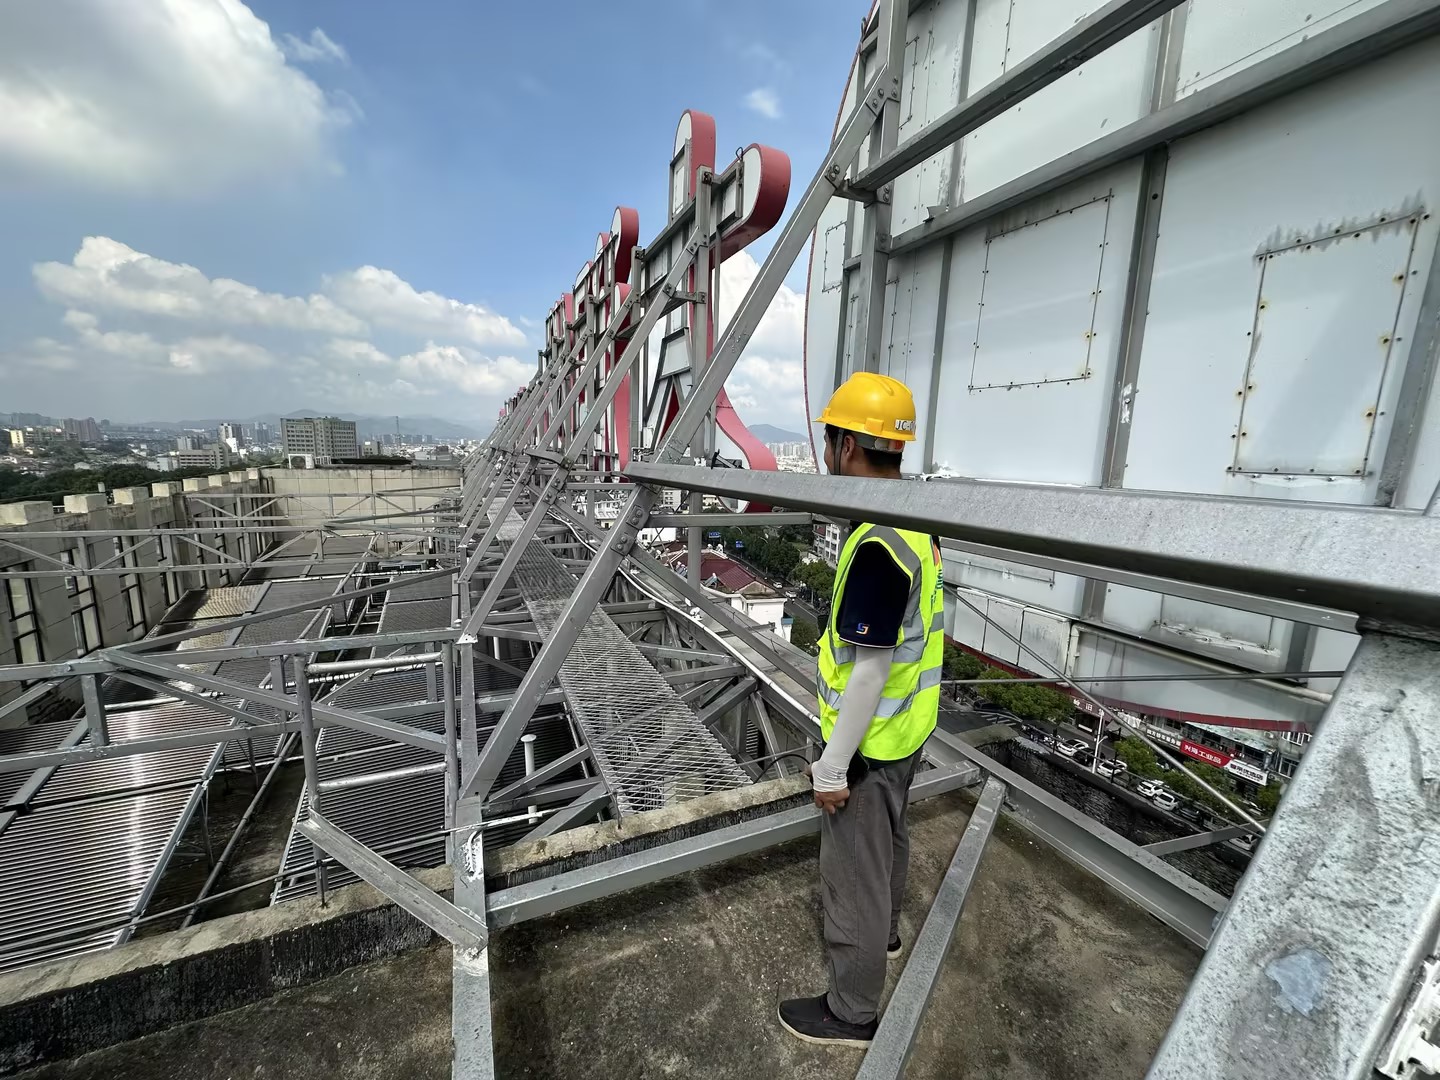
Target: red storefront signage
x: 747, y: 199
x: 1204, y: 753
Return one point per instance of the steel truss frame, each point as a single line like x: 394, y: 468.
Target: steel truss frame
x: 1288, y: 948
x: 1376, y: 565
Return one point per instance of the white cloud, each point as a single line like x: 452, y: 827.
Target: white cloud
x: 131, y: 319
x: 767, y: 384
x: 189, y: 356
x: 318, y: 49
x: 467, y: 372
x: 108, y: 274
x: 764, y: 101
x: 757, y: 52
x: 356, y: 351
x: 156, y: 95
x: 386, y: 299
x: 781, y: 332
x: 435, y: 368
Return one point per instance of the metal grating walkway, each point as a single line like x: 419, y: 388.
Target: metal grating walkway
x: 650, y: 748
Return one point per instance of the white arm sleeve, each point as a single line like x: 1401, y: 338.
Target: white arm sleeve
x: 857, y: 709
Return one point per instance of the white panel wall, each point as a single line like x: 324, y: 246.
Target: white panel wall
x: 1098, y: 654
x: 1032, y: 342
x: 912, y: 308
x: 1093, y: 100
x: 1044, y: 632
x: 1223, y: 37
x: 1293, y: 252
x: 826, y: 302
x: 930, y: 85
x: 1320, y: 168
x: 1028, y: 584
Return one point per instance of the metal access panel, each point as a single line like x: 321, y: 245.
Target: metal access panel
x: 1222, y: 38
x: 1216, y: 702
x: 1324, y: 339
x: 1035, y: 318
x: 1033, y: 325
x: 1327, y: 162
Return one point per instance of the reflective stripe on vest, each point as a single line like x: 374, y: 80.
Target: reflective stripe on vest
x: 910, y: 701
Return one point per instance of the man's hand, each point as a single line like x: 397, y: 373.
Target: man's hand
x: 830, y: 801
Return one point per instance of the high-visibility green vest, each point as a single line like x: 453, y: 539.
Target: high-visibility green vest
x: 910, y: 703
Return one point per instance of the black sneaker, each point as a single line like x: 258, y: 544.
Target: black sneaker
x: 892, y: 951
x: 811, y: 1019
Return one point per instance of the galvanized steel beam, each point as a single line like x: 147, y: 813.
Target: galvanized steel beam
x: 900, y: 1024
x: 1341, y: 903
x: 1358, y: 40
x: 1377, y: 563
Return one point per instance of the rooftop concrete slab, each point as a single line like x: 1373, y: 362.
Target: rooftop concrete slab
x: 1051, y: 975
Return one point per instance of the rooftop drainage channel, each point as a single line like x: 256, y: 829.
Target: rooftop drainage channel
x: 650, y: 748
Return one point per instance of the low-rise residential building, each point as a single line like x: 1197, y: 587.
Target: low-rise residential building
x: 827, y: 543
x: 214, y: 456
x: 733, y: 583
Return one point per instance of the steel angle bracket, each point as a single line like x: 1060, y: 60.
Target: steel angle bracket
x: 454, y: 924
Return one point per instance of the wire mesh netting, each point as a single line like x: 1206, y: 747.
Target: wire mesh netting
x: 650, y: 748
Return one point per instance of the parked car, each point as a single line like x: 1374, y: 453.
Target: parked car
x: 1245, y: 843
x: 1070, y: 747
x: 1112, y: 767
x: 1148, y: 789
x: 1165, y: 800
x: 1084, y: 757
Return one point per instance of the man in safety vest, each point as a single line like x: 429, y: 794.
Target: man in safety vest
x: 880, y: 664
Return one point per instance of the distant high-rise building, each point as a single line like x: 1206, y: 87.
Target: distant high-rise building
x: 324, y: 438
x: 262, y: 435
x: 86, y: 430
x: 232, y: 435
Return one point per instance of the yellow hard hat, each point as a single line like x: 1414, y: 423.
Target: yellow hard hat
x: 878, y: 409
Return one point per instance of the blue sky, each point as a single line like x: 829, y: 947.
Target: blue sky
x: 361, y: 206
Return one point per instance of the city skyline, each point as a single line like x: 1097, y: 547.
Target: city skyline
x: 335, y: 227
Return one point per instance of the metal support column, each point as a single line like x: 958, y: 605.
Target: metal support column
x: 875, y: 227
x: 1328, y: 928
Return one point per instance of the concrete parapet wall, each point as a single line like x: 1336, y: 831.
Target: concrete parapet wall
x: 24, y: 513
x: 61, y: 1010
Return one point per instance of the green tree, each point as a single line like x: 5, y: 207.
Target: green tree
x: 805, y: 635
x: 1268, y: 799
x: 1136, y: 754
x: 960, y: 664
x: 783, y: 558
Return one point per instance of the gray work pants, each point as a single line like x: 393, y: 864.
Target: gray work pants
x: 864, y: 855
